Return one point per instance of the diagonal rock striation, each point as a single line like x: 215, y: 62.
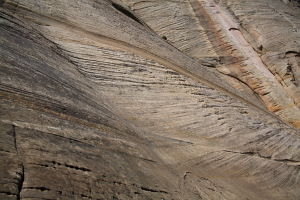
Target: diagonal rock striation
x: 95, y: 104
x: 235, y: 44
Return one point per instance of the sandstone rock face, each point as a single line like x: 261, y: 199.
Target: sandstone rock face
x: 95, y: 104
x: 256, y: 42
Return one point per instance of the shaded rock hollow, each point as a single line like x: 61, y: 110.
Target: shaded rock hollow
x: 95, y: 104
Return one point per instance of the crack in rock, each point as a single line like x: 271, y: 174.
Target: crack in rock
x: 250, y: 153
x: 21, y: 165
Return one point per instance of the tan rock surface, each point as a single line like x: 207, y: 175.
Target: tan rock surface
x: 255, y: 42
x: 274, y: 28
x: 96, y: 105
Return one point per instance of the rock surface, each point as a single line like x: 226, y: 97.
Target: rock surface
x: 95, y: 104
x: 256, y: 42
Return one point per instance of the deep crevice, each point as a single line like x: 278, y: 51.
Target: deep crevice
x: 151, y: 190
x: 21, y: 174
x: 126, y: 12
x: 250, y: 153
x: 288, y: 161
x: 37, y: 188
x: 20, y: 181
x: 78, y: 168
x: 291, y: 52
x: 85, y: 196
x: 234, y: 29
x: 71, y: 166
x: 8, y: 193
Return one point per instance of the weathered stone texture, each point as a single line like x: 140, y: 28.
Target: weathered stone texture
x: 242, y: 39
x: 96, y: 105
x: 274, y: 27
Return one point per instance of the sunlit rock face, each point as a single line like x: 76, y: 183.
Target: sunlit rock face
x: 255, y: 42
x: 149, y: 99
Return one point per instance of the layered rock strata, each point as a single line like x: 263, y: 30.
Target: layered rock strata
x: 96, y: 105
x: 255, y: 43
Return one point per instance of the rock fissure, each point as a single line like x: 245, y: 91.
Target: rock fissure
x: 126, y: 12
x: 251, y: 153
x: 21, y: 174
x: 37, y: 188
x: 8, y: 193
x: 153, y: 190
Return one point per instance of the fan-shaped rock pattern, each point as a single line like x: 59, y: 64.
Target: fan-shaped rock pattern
x: 242, y: 39
x: 95, y: 105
